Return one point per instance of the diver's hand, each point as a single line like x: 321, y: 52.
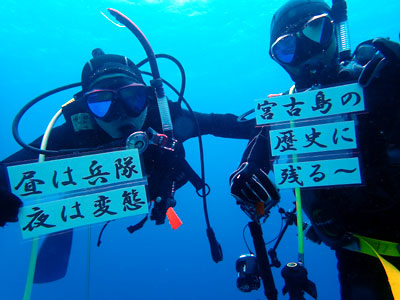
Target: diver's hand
x: 250, y: 185
x: 159, y: 211
x: 9, y: 207
x: 384, y: 65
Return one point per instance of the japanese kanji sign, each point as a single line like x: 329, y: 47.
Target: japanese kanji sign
x: 319, y: 138
x: 316, y: 138
x: 70, y: 175
x: 318, y: 173
x: 53, y: 216
x: 72, y: 192
x: 310, y: 104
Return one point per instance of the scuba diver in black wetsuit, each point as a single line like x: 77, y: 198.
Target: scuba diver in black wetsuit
x: 303, y: 42
x: 115, y: 110
x: 115, y: 102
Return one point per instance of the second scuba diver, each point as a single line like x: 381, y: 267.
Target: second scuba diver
x: 303, y: 42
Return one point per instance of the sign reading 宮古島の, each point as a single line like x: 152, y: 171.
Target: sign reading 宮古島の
x: 311, y: 104
x: 72, y: 192
x: 320, y: 137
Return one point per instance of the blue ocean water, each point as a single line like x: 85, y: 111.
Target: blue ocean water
x: 223, y: 46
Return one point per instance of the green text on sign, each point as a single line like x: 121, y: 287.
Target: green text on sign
x: 318, y: 173
x: 311, y: 104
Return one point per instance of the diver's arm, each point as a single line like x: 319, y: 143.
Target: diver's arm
x: 220, y: 125
x: 257, y: 151
x: 61, y: 137
x: 20, y: 157
x: 226, y: 125
x: 10, y: 203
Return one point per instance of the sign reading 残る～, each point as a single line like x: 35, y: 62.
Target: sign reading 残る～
x: 318, y: 173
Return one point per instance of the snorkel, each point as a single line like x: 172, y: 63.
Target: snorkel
x: 339, y: 14
x: 156, y: 83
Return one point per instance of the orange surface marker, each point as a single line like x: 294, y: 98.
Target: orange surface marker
x: 173, y: 218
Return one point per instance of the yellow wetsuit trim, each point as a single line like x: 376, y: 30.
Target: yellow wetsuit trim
x: 379, y: 246
x: 367, y: 246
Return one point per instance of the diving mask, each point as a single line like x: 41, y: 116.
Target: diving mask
x: 102, y: 102
x: 314, y: 36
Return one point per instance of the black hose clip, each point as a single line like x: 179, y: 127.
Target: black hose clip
x: 216, y: 249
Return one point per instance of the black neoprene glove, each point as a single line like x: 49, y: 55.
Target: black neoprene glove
x: 251, y: 186
x: 384, y: 65
x: 9, y: 207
